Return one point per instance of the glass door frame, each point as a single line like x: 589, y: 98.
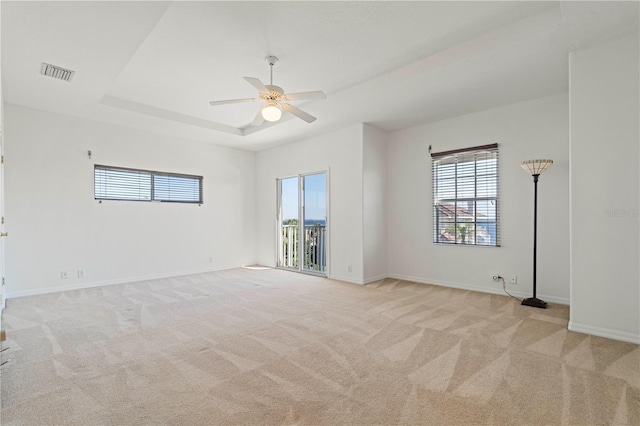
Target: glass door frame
x: 301, y: 225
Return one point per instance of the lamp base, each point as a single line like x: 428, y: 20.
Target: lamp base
x: 535, y: 302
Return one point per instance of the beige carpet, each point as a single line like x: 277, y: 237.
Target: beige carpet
x: 274, y: 347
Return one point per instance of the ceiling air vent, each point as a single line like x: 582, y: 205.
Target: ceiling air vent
x: 56, y: 72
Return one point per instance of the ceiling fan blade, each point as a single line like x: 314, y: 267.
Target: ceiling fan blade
x: 298, y: 113
x: 234, y: 101
x: 299, y: 96
x: 257, y: 84
x: 259, y: 120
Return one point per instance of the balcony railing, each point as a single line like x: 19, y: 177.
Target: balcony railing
x: 314, y: 247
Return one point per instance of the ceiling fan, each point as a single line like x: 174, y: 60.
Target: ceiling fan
x: 275, y: 99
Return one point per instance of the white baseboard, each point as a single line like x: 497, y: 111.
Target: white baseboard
x: 345, y: 279
x: 482, y: 289
x: 604, y: 332
x: 374, y: 279
x: 93, y: 284
x: 356, y: 281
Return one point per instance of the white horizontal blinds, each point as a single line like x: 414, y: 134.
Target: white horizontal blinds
x: 177, y: 188
x: 121, y: 184
x: 465, y: 196
x: 117, y: 183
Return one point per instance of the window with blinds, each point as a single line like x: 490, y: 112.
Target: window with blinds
x: 465, y: 196
x: 117, y: 183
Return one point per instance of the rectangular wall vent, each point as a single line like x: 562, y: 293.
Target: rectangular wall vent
x: 56, y: 72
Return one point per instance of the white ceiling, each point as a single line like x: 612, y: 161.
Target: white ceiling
x: 156, y: 65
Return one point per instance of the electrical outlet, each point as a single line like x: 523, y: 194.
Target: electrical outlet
x: 513, y: 279
x: 349, y: 268
x: 496, y: 277
x: 80, y: 273
x: 210, y: 259
x: 64, y: 275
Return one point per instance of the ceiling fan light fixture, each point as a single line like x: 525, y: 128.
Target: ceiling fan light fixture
x: 275, y: 98
x: 271, y: 113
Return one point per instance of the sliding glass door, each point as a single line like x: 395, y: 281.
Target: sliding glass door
x: 289, y: 220
x: 314, y: 219
x: 302, y: 223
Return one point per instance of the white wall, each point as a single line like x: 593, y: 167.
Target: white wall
x: 605, y: 251
x: 2, y: 287
x: 375, y: 204
x: 528, y: 130
x: 55, y: 224
x: 339, y: 153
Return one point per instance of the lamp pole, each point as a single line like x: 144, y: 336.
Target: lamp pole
x: 534, y: 301
x: 535, y: 167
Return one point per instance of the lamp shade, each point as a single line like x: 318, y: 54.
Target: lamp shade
x: 536, y: 167
x: 271, y: 113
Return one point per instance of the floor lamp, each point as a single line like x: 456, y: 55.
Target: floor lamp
x: 535, y: 168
